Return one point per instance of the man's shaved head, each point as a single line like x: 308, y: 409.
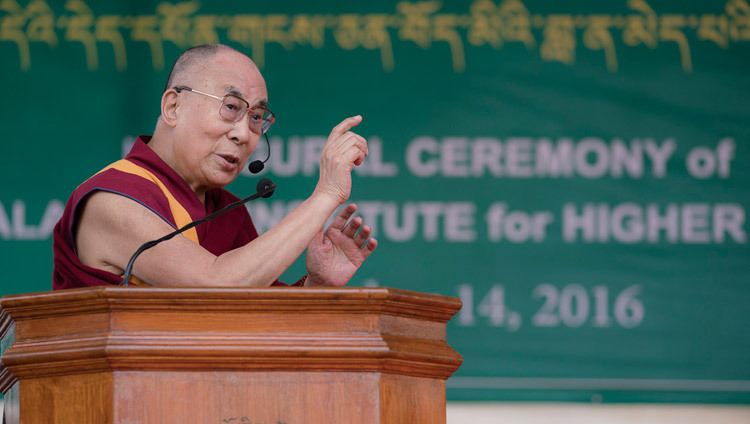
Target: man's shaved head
x: 193, y: 57
x: 192, y: 136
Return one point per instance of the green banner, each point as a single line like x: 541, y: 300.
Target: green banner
x: 577, y: 173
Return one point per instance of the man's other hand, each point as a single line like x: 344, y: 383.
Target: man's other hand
x: 335, y: 255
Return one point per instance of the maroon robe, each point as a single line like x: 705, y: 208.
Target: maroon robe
x: 229, y: 231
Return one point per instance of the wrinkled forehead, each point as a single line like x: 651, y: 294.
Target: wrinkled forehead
x: 233, y: 73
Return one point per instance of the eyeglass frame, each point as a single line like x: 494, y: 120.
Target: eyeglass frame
x: 180, y: 88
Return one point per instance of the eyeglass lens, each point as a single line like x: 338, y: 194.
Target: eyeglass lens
x: 233, y: 109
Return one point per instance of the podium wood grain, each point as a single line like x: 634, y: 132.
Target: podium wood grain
x: 271, y: 355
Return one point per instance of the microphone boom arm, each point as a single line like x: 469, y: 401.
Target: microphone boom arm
x: 268, y: 189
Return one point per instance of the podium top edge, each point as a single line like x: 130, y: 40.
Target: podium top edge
x: 328, y: 299
x: 254, y: 292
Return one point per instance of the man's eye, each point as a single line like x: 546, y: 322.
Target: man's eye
x: 256, y: 117
x: 230, y: 106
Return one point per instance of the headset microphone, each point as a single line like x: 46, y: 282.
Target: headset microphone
x: 257, y: 165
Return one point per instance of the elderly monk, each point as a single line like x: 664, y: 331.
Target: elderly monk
x: 213, y: 114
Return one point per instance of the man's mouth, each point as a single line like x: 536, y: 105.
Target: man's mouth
x: 230, y: 158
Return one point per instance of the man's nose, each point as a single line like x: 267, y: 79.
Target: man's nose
x: 240, y: 132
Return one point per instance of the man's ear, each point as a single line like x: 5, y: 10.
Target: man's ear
x: 169, y: 107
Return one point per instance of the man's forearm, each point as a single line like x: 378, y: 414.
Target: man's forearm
x: 263, y: 260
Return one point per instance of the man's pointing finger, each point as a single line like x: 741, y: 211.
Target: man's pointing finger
x: 345, y: 126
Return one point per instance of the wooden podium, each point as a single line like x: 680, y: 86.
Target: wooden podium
x: 261, y: 356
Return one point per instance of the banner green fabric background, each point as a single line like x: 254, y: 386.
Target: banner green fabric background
x: 575, y: 172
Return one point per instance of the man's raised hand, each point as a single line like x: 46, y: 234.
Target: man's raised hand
x: 343, y: 150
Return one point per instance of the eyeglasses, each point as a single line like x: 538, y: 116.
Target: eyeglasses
x: 234, y: 108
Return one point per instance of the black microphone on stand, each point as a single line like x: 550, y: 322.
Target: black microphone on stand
x: 265, y: 189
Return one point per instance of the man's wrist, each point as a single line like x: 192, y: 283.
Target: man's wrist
x: 328, y: 200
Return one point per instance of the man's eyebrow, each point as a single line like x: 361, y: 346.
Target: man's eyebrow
x: 236, y: 92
